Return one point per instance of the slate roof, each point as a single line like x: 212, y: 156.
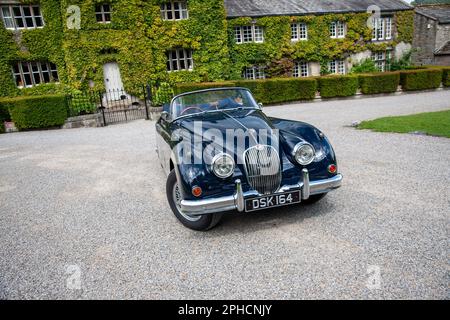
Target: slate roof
x: 259, y: 8
x: 440, y: 12
x: 445, y: 50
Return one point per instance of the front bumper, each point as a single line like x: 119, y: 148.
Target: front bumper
x: 237, y: 201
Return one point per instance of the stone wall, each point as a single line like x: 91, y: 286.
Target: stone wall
x: 424, y: 40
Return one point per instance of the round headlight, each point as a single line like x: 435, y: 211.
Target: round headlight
x: 223, y: 165
x: 304, y: 153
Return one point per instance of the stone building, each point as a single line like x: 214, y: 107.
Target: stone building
x: 109, y: 44
x: 432, y: 35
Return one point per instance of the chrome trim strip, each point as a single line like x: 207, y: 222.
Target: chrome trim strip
x: 237, y: 201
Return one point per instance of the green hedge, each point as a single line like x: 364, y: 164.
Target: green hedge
x: 36, y: 112
x: 272, y: 91
x: 267, y: 91
x: 412, y: 80
x: 384, y: 82
x: 446, y: 77
x: 338, y: 86
x: 188, y: 87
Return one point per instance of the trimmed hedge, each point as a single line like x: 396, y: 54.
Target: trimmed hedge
x: 338, y: 86
x: 36, y: 112
x: 412, y: 80
x: 265, y: 91
x: 281, y: 90
x: 446, y: 77
x: 188, y: 87
x: 384, y: 82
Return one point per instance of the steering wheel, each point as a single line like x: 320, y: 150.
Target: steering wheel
x: 190, y: 109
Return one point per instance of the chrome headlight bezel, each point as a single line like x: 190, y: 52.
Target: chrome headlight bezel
x: 298, y: 147
x: 217, y: 158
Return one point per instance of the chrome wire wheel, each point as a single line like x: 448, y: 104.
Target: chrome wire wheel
x: 177, y: 199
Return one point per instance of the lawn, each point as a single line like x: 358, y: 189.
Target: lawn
x: 432, y: 123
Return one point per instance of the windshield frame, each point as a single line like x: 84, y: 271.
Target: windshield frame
x: 208, y: 90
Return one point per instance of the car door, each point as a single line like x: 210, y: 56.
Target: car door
x: 163, y: 139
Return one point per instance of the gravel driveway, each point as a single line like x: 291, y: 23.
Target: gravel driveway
x: 83, y: 214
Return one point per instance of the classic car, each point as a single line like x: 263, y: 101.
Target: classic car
x: 221, y: 153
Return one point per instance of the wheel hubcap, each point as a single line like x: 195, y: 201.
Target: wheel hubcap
x: 177, y: 199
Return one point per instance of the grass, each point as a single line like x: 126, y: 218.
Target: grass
x: 432, y: 123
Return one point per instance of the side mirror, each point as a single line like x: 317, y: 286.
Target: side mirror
x: 260, y: 105
x: 166, y: 116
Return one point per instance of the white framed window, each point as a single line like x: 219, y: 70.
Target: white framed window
x: 179, y: 59
x: 31, y: 73
x: 21, y: 16
x: 337, y: 67
x: 254, y: 72
x: 103, y: 13
x: 246, y: 34
x: 301, y: 69
x: 382, y: 29
x: 382, y: 60
x: 338, y: 29
x: 299, y: 31
x: 174, y: 10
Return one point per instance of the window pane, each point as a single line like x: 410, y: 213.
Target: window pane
x: 29, y: 22
x: 37, y: 78
x: 34, y: 67
x: 19, y: 80
x: 107, y: 17
x: 55, y: 76
x: 46, y: 76
x: 16, y: 68
x: 106, y: 8
x: 39, y: 22
x: 17, y: 12
x: 177, y: 15
x: 27, y: 79
x: 9, y: 23
x: 19, y: 23
x: 99, y: 17
x: 25, y: 67
x: 26, y: 11
x: 36, y: 11
x: 6, y: 13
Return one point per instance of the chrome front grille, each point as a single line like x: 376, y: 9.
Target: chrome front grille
x: 263, y: 168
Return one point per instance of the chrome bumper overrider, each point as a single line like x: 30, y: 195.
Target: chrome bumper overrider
x: 237, y: 201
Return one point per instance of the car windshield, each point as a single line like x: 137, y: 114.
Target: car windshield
x: 212, y: 100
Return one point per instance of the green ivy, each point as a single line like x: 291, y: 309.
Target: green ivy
x: 137, y: 39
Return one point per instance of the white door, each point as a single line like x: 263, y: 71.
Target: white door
x: 113, y: 81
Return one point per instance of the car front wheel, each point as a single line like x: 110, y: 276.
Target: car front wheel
x: 198, y: 223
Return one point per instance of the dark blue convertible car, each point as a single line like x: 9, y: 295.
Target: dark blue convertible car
x: 222, y: 153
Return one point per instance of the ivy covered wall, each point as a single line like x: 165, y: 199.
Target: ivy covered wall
x: 137, y: 39
x: 319, y: 47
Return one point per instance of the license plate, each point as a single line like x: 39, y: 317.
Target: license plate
x: 275, y: 200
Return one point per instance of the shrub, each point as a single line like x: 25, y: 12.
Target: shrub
x: 281, y: 90
x: 421, y: 79
x: 2, y: 127
x: 383, y: 82
x: 446, y: 77
x: 38, y: 111
x: 82, y: 103
x: 404, y: 63
x: 338, y: 86
x: 163, y: 94
x: 365, y: 66
x: 188, y: 87
x: 4, y: 110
